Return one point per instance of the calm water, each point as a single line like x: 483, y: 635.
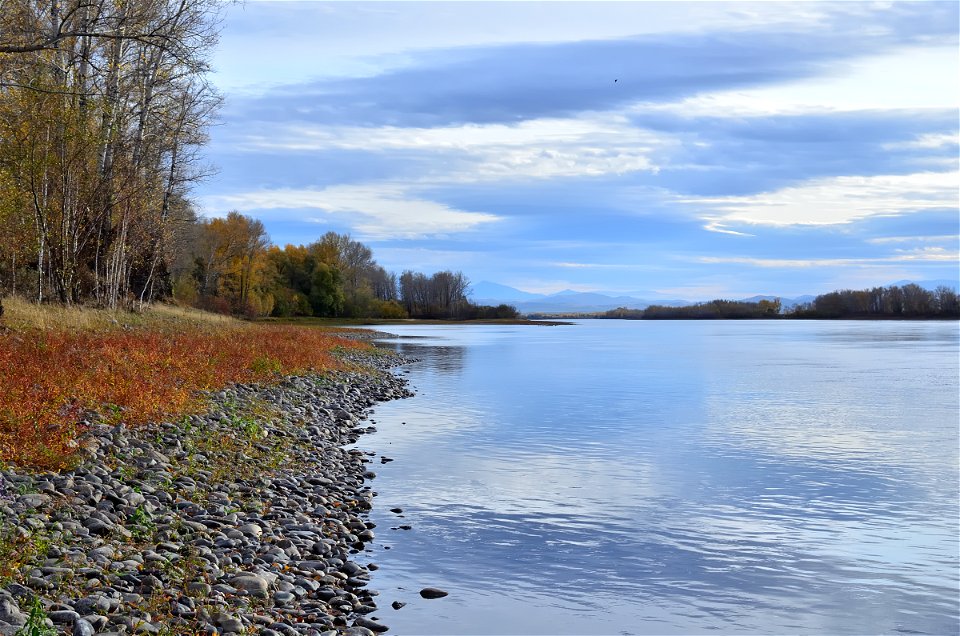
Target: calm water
x: 672, y: 478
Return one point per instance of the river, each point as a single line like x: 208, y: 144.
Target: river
x: 643, y: 477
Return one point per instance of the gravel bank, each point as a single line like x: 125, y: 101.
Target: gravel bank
x: 248, y: 519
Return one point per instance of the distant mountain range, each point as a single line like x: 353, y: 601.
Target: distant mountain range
x: 569, y: 301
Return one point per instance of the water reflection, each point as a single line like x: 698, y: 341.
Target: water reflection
x: 448, y: 359
x: 668, y: 478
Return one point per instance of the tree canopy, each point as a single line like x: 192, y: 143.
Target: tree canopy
x: 104, y: 105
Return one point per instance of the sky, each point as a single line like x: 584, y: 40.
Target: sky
x: 682, y: 150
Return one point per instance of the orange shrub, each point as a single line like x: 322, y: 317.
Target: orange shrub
x: 48, y: 379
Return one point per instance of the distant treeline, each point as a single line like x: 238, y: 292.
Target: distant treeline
x: 909, y: 301
x: 715, y: 309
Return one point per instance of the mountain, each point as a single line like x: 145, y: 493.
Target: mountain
x: 487, y: 293
x: 587, y: 302
x: 566, y: 301
x: 785, y: 303
x: 574, y: 302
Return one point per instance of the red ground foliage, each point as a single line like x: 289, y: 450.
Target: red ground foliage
x: 49, y: 379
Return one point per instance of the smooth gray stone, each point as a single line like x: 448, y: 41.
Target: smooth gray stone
x: 34, y: 500
x: 284, y: 598
x: 82, y: 627
x: 251, y: 583
x: 63, y: 617
x: 10, y: 613
x: 372, y: 625
x: 231, y: 625
x: 432, y: 592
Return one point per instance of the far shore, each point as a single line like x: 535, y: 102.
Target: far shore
x: 357, y: 322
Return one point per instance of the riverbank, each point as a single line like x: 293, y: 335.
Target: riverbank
x: 249, y: 517
x: 366, y: 322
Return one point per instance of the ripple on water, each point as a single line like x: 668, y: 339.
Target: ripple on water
x: 675, y: 478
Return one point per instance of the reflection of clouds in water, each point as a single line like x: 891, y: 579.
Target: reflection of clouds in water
x: 858, y: 333
x: 740, y: 478
x: 850, y: 426
x: 871, y: 407
x: 803, y: 432
x: 415, y: 426
x: 525, y: 483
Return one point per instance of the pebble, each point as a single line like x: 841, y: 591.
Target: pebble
x: 234, y: 531
x: 255, y: 585
x: 10, y: 613
x: 432, y: 592
x: 372, y: 625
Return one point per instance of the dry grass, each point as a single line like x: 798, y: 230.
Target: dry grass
x: 175, y: 313
x: 21, y: 314
x: 57, y: 364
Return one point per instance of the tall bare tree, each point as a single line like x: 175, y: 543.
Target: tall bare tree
x: 103, y: 105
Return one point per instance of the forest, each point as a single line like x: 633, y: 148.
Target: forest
x: 228, y: 265
x: 715, y: 309
x: 907, y: 302
x: 105, y: 106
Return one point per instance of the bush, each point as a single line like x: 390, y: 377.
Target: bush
x: 389, y: 309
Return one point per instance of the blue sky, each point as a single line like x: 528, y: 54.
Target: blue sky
x: 691, y: 150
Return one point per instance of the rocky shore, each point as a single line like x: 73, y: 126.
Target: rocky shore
x: 247, y: 519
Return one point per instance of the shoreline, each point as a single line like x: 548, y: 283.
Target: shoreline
x: 349, y: 323
x: 249, y: 517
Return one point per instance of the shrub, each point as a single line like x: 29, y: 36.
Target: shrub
x: 50, y: 379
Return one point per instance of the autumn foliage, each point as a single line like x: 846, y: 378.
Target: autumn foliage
x: 51, y: 380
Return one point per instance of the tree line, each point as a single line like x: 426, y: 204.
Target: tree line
x: 714, y: 309
x: 104, y: 105
x: 228, y: 265
x: 908, y: 301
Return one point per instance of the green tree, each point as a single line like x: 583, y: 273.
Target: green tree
x: 326, y: 291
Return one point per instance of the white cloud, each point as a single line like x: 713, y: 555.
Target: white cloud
x: 941, y: 238
x: 927, y: 254
x: 930, y: 254
x: 540, y: 149
x: 297, y: 40
x: 378, y: 211
x: 917, y: 77
x: 834, y: 200
x: 573, y: 265
x: 715, y: 226
x: 700, y: 291
x: 611, y: 266
x: 928, y: 141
